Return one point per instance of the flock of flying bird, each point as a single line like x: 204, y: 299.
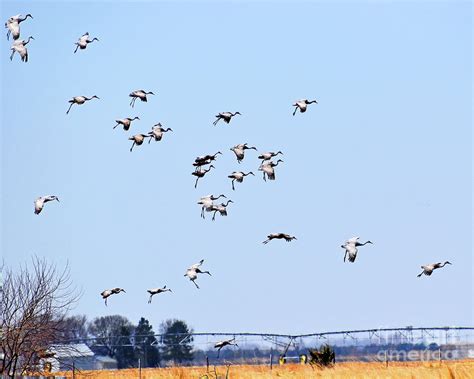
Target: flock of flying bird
x: 207, y: 204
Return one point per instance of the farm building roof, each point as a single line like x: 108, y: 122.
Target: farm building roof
x: 71, y: 350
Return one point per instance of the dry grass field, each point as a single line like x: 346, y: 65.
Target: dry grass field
x: 427, y: 370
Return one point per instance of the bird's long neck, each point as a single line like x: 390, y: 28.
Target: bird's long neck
x: 365, y: 243
x: 27, y: 41
x: 442, y: 265
x: 226, y: 204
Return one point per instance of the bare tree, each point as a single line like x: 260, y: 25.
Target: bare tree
x: 74, y: 329
x: 35, y: 301
x: 112, y: 333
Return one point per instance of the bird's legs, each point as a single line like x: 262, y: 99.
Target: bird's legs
x: 420, y: 274
x: 233, y: 188
x: 8, y: 35
x: 69, y: 108
x: 294, y: 112
x: 218, y: 352
x: 266, y: 241
x: 105, y: 301
x: 132, y: 103
x: 265, y: 179
x: 77, y: 47
x: 214, y: 216
x: 215, y: 122
x: 195, y: 284
x: 132, y: 146
x: 149, y: 300
x: 195, y: 184
x: 345, y: 255
x: 13, y: 53
x: 116, y: 125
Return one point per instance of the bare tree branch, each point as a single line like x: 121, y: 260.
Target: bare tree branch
x: 35, y: 302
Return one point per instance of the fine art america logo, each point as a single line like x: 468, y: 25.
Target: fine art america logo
x: 417, y: 355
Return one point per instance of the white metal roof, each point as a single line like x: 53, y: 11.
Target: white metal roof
x: 71, y: 350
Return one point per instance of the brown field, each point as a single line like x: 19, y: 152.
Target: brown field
x: 395, y: 370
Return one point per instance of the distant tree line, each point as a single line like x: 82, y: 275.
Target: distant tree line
x: 116, y: 337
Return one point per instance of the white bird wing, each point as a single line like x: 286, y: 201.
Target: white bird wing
x: 351, y: 249
x: 352, y: 241
x: 267, y: 168
x: 196, y: 265
x: 206, y: 203
x: 14, y: 27
x: 39, y: 202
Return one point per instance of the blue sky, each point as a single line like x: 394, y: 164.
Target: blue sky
x: 385, y: 155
